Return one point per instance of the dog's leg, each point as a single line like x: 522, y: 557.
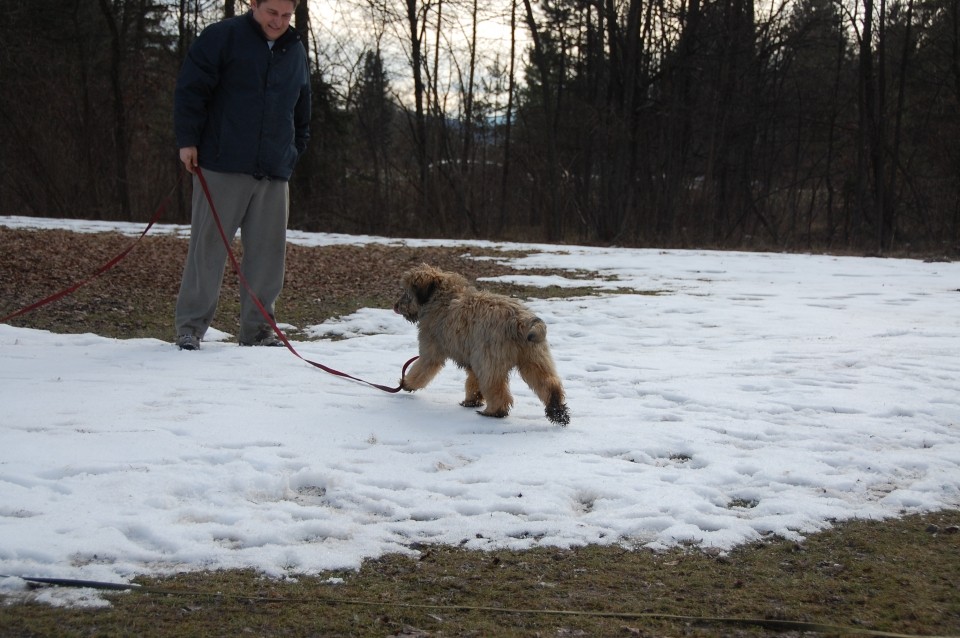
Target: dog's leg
x: 538, y: 372
x: 474, y: 398
x: 556, y: 410
x: 495, y: 387
x: 421, y: 373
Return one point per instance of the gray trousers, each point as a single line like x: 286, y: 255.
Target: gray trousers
x: 259, y: 209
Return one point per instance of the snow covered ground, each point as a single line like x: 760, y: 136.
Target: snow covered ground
x: 752, y: 395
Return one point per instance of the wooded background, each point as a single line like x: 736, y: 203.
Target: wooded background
x: 797, y: 125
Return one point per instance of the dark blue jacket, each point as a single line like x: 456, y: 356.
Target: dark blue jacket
x: 245, y: 106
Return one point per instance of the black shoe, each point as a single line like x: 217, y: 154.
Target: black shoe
x: 188, y: 342
x: 265, y: 337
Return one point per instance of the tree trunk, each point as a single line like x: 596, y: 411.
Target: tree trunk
x: 119, y: 111
x: 420, y: 123
x: 302, y: 24
x: 508, y: 119
x: 552, y: 196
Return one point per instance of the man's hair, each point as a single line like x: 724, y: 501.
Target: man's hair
x: 296, y: 3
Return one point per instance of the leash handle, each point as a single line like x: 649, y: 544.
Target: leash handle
x: 266, y: 315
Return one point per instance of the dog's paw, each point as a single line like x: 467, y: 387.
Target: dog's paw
x: 472, y: 403
x: 558, y: 413
x: 497, y: 414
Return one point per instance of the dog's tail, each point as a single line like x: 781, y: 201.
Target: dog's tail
x: 536, y: 330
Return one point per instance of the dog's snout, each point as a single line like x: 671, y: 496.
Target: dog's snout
x: 405, y: 307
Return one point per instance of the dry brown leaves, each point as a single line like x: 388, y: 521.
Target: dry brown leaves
x: 136, y: 298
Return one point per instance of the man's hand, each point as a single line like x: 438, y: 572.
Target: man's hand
x: 188, y: 155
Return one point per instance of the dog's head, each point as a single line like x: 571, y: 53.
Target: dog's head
x: 423, y: 284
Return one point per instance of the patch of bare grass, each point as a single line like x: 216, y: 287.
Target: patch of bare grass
x: 137, y: 297
x: 898, y: 576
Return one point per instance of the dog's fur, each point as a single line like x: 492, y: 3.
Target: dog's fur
x: 486, y: 334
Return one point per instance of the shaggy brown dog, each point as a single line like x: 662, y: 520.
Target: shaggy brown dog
x: 487, y: 335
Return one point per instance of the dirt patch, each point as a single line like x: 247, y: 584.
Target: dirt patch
x: 136, y: 298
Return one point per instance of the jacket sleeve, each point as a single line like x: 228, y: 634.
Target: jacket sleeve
x: 196, y: 83
x: 301, y: 115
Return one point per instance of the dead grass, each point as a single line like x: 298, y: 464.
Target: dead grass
x: 136, y: 298
x: 898, y: 576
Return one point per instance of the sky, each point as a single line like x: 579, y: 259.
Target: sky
x: 345, y: 31
x: 717, y: 399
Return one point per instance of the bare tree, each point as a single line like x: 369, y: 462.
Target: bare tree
x: 548, y: 139
x: 119, y: 109
x: 419, y: 122
x: 301, y: 22
x: 508, y: 119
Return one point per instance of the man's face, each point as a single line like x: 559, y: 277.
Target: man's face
x: 273, y: 16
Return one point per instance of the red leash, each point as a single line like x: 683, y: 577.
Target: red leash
x: 236, y: 267
x: 104, y: 268
x: 266, y: 315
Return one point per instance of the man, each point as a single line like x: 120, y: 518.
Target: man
x: 242, y: 114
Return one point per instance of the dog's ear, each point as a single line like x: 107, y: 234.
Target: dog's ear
x: 424, y: 290
x: 422, y: 282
